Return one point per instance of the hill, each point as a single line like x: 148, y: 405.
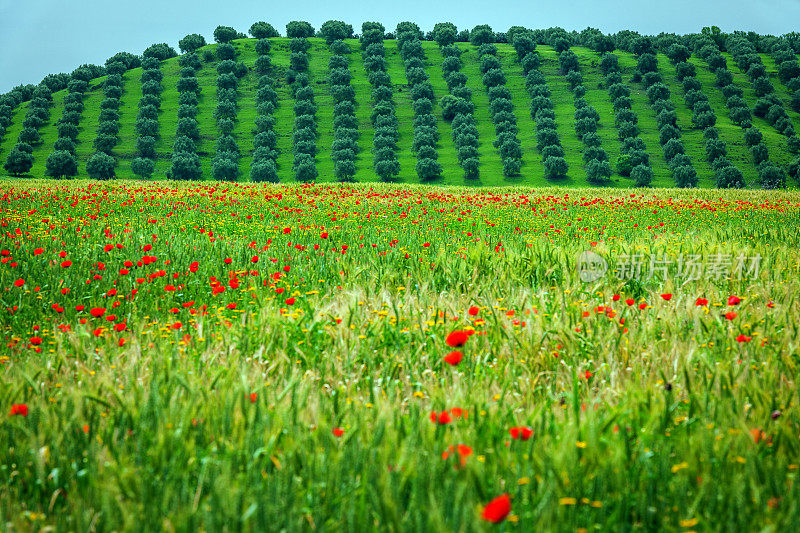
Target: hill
x: 226, y: 149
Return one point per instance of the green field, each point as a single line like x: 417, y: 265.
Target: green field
x: 532, y: 173
x: 217, y: 356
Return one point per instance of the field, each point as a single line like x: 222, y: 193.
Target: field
x: 218, y: 356
x: 491, y: 169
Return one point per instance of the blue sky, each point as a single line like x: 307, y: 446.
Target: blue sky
x: 39, y: 37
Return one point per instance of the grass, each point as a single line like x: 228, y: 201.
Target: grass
x: 299, y: 397
x: 490, y: 163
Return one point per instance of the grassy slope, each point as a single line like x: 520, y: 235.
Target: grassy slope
x: 532, y: 170
x: 491, y: 167
x: 363, y: 90
x: 599, y: 98
x: 207, y: 76
x: 662, y: 177
x: 125, y: 151
x: 284, y: 114
x: 246, y: 106
x: 404, y: 111
x: 48, y: 133
x: 733, y: 135
x: 692, y: 136
x: 90, y: 118
x: 780, y: 90
x: 318, y: 57
x: 565, y: 117
x: 490, y: 163
x: 446, y: 148
x: 776, y: 143
x: 167, y: 116
x: 12, y: 133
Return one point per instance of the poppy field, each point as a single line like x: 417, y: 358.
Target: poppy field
x: 247, y: 356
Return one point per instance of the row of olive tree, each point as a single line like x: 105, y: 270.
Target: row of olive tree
x: 225, y: 165
x: 788, y: 70
x: 669, y: 134
x: 769, y: 175
x: 20, y: 158
x: 598, y: 169
x: 635, y: 160
x: 768, y: 106
x: 726, y: 175
x: 789, y: 74
x: 501, y: 107
x: 265, y: 152
x: 304, y: 137
x: 383, y: 117
x: 345, y: 124
x: 101, y: 165
x: 185, y: 160
x: 426, y: 132
x: 548, y: 142
x: 147, y: 118
x: 457, y: 107
x: 61, y: 162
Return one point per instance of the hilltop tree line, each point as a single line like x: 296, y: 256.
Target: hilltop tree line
x: 709, y: 45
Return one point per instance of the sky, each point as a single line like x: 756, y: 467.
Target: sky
x: 40, y: 37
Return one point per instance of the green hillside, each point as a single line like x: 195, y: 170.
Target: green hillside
x: 532, y: 170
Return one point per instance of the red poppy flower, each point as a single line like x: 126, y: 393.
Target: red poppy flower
x: 730, y: 315
x: 338, y: 432
x: 36, y: 341
x: 194, y: 266
x: 472, y: 311
x: 458, y: 412
x: 231, y: 306
x: 630, y: 301
x: 66, y: 264
x: 743, y: 338
x: 324, y: 235
x: 457, y: 338
x: 253, y: 397
x: 38, y: 251
x: 522, y: 432
x: 498, y: 509
x: 667, y: 296
x: 254, y: 259
x: 177, y: 325
x: 290, y: 301
x: 19, y: 409
x: 441, y: 419
x: 97, y: 312
x: 616, y: 297
x: 19, y: 283
x: 642, y: 305
x: 701, y: 302
x: 453, y: 358
x: 734, y: 300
